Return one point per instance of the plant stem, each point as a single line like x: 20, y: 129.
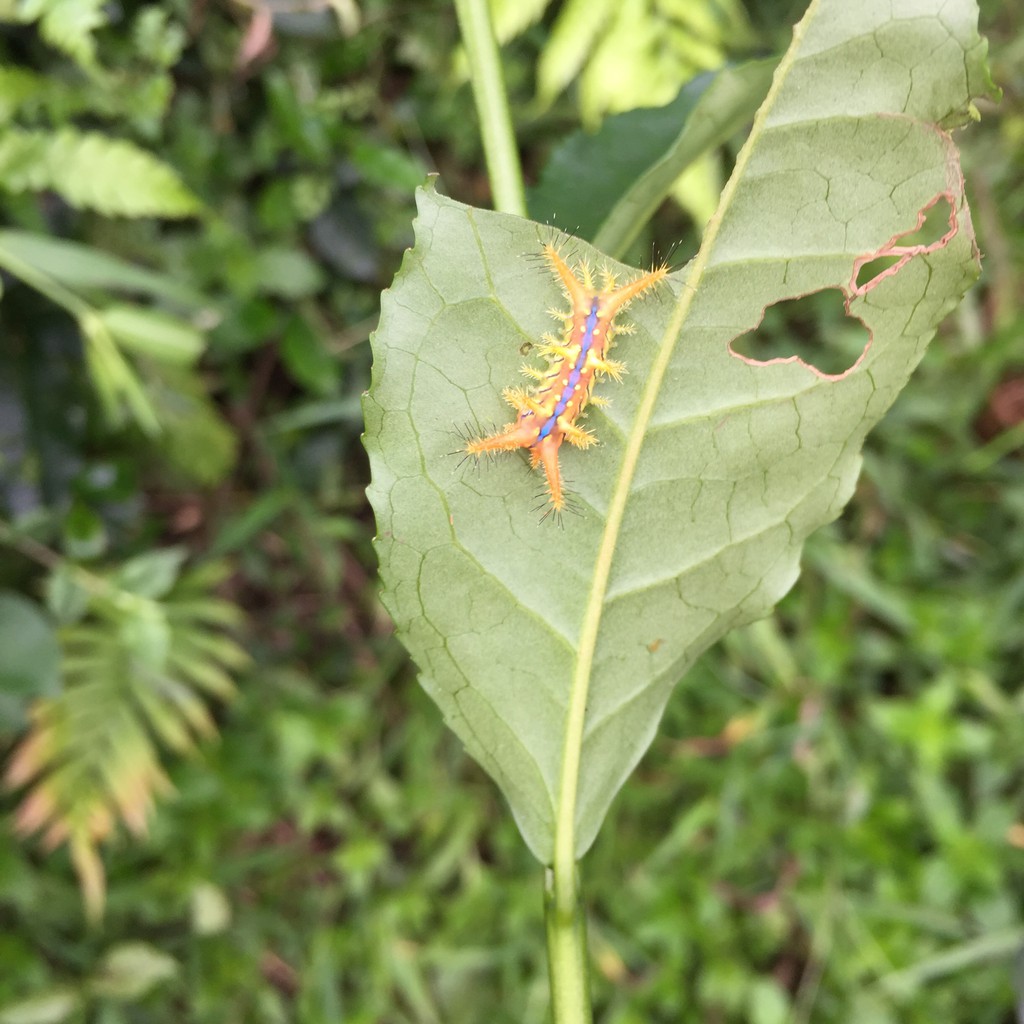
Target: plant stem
x: 45, y: 285
x: 566, y: 926
x: 94, y: 585
x: 492, y: 106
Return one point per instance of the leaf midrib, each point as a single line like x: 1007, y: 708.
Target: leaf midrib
x: 572, y: 750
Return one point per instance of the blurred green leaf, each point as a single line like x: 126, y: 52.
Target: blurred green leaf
x: 210, y: 909
x: 309, y: 415
x: 85, y: 535
x: 134, y: 669
x: 634, y: 54
x: 67, y: 24
x: 29, y: 657
x: 93, y: 171
x: 49, y: 1008
x: 151, y: 574
x: 196, y: 438
x: 387, y: 166
x: 146, y: 636
x: 66, y: 598
x: 606, y: 186
x: 155, y: 334
x: 768, y: 1003
x: 117, y: 384
x: 84, y: 267
x: 307, y: 359
x: 288, y: 273
x: 250, y: 521
x: 130, y: 970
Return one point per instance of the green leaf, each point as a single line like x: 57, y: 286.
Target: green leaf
x: 93, y: 171
x: 66, y: 598
x: 52, y: 1007
x: 288, y: 273
x: 85, y: 535
x: 29, y: 657
x: 146, y: 637
x: 387, y: 166
x: 255, y: 517
x: 767, y: 1003
x: 155, y: 334
x: 18, y: 87
x: 67, y: 24
x: 553, y: 652
x: 196, y: 439
x: 151, y: 575
x: 307, y: 359
x: 83, y: 267
x: 209, y: 909
x: 114, y: 378
x: 606, y: 186
x: 135, y: 670
x: 631, y: 53
x: 579, y: 24
x: 511, y: 17
x: 132, y: 969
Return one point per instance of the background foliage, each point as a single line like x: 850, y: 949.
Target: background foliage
x: 199, y: 214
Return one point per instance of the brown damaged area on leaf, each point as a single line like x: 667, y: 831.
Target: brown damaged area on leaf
x: 901, y: 254
x: 881, y: 264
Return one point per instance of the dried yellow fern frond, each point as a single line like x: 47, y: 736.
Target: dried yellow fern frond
x: 137, y: 668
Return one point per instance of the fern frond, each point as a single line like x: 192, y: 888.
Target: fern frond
x: 93, y: 171
x: 135, y: 671
x: 67, y: 24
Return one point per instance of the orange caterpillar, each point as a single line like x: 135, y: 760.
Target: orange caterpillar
x: 548, y: 412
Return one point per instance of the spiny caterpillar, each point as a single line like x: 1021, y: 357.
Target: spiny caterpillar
x: 548, y: 412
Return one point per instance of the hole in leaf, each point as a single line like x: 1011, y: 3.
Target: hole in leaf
x: 815, y: 329
x: 875, y: 268
x: 933, y: 228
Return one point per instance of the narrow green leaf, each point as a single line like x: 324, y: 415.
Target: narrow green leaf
x: 80, y: 266
x: 606, y: 186
x: 116, y: 382
x: 553, y: 652
x: 579, y: 23
x: 146, y: 636
x: 166, y: 719
x: 154, y: 334
x: 256, y: 517
x: 202, y: 672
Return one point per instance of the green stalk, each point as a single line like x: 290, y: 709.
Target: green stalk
x: 492, y: 106
x: 566, y: 926
x: 111, y: 372
x: 564, y: 919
